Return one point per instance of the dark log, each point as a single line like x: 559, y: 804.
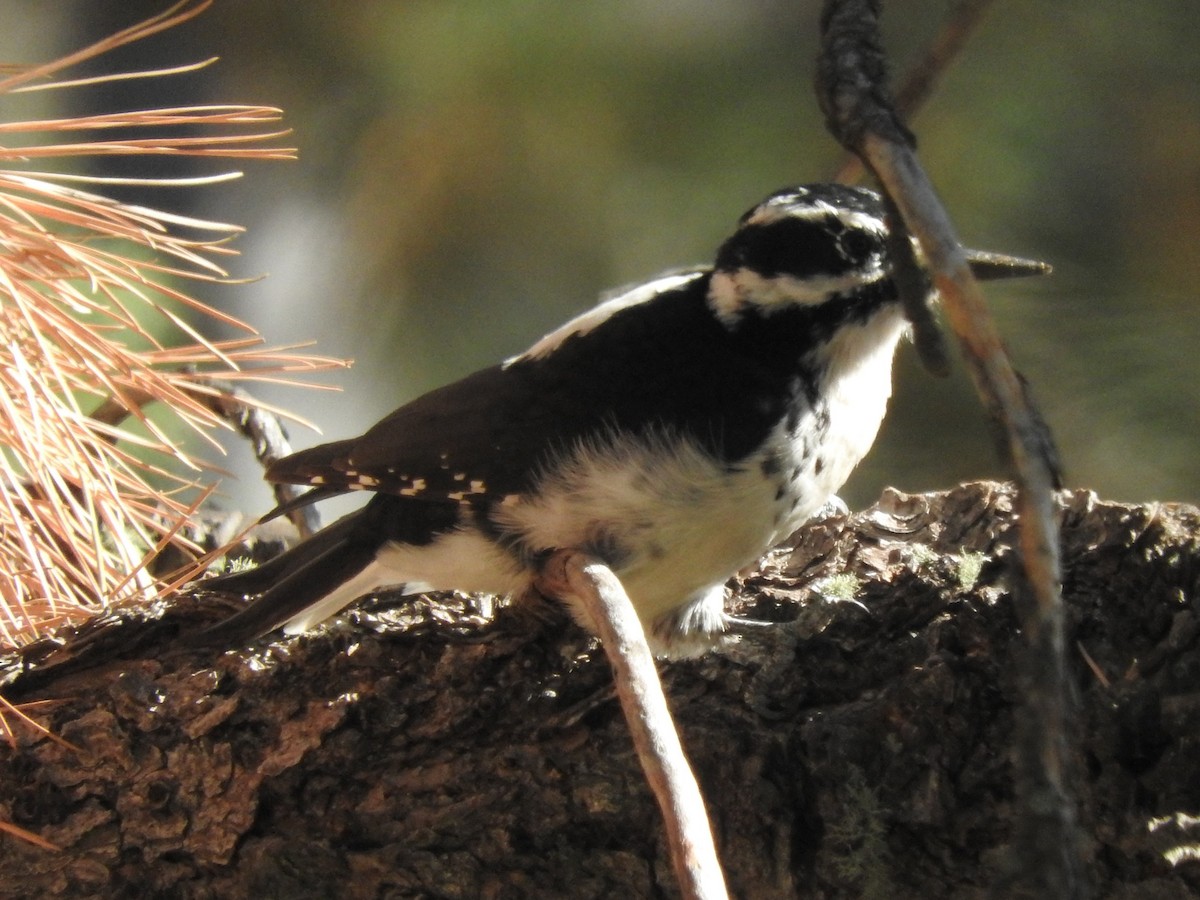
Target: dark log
x: 440, y: 747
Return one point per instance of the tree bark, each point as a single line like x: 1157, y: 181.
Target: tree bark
x: 441, y: 747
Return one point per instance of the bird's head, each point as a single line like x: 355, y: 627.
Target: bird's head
x: 811, y: 244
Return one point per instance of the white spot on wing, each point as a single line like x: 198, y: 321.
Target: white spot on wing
x: 415, y: 489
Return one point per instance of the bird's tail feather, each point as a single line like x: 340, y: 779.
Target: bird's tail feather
x: 306, y: 576
x: 262, y: 577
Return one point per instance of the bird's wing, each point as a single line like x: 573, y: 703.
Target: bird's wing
x: 492, y: 433
x: 475, y: 437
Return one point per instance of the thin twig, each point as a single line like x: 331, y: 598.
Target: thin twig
x: 917, y: 84
x: 913, y: 286
x: 270, y: 442
x: 853, y: 94
x: 568, y: 573
x: 28, y: 836
x: 262, y: 427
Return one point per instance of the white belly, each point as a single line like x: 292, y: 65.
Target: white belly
x: 673, y: 524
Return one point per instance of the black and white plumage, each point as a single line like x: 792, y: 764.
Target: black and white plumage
x: 676, y: 431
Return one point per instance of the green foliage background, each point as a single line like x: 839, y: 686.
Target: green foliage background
x: 472, y: 173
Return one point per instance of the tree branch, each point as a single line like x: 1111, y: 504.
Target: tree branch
x: 917, y: 84
x: 260, y: 426
x: 853, y: 94
x: 572, y: 574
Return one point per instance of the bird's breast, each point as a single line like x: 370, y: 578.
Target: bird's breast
x: 669, y: 517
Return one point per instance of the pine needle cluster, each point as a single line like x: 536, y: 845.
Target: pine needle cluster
x: 106, y: 374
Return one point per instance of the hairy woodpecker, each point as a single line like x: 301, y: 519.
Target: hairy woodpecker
x: 676, y: 431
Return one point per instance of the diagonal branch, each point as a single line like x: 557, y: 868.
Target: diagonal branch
x: 569, y: 573
x: 918, y: 82
x: 256, y: 422
x: 852, y: 90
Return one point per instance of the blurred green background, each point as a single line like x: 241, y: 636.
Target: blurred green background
x: 472, y: 173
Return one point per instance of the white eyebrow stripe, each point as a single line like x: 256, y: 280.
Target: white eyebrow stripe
x: 732, y: 292
x: 816, y: 210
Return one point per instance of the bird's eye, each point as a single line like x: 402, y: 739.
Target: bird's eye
x: 799, y: 247
x: 857, y: 246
